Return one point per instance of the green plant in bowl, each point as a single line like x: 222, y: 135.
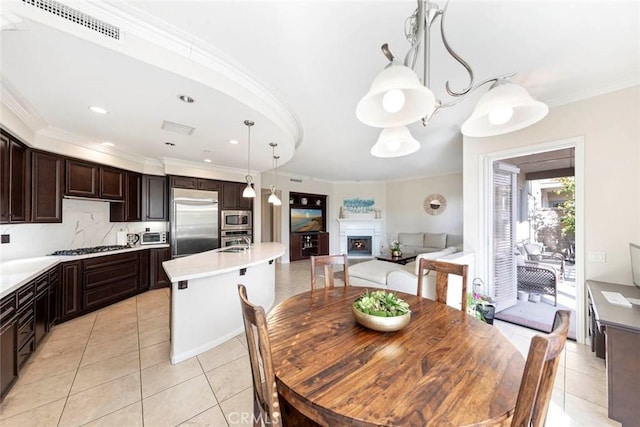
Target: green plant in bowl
x: 381, y: 311
x: 382, y: 304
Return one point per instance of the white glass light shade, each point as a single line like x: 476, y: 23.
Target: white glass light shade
x: 248, y: 191
x: 395, y: 142
x: 418, y: 99
x: 526, y: 111
x: 273, y: 198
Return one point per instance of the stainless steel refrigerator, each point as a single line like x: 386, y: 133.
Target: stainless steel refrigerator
x: 194, y: 221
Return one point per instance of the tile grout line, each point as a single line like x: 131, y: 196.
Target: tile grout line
x: 139, y: 362
x: 77, y: 369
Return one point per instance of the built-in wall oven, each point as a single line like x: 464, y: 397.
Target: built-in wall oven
x: 235, y: 237
x: 235, y: 220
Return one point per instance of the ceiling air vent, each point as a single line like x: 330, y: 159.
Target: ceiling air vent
x: 177, y: 128
x: 77, y: 17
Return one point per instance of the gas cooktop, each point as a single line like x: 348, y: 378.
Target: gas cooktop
x: 93, y: 250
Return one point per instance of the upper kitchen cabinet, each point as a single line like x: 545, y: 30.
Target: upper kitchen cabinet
x: 130, y: 209
x: 155, y: 198
x: 232, y: 196
x: 46, y: 187
x: 112, y: 183
x: 82, y: 179
x: 13, y: 179
x: 191, y: 183
x: 94, y: 181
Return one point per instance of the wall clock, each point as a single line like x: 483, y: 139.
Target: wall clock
x: 435, y: 204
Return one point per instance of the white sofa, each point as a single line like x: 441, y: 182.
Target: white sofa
x: 420, y: 243
x: 404, y: 278
x: 390, y: 275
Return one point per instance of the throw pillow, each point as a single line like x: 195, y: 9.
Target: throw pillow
x: 410, y: 239
x: 435, y: 240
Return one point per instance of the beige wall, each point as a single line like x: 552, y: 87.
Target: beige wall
x: 405, y: 205
x: 609, y: 125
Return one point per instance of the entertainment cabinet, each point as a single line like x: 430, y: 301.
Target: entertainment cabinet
x: 307, y: 238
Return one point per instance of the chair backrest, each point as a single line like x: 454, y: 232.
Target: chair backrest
x: 443, y: 269
x: 540, y: 373
x: 328, y: 261
x: 265, y: 394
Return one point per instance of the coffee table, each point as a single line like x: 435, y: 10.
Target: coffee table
x: 402, y: 259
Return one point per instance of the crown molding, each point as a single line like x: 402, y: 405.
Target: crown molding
x: 607, y: 87
x: 170, y: 161
x: 19, y: 105
x: 132, y: 20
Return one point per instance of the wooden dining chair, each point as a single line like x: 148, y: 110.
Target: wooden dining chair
x: 266, y: 406
x: 328, y: 261
x: 539, y: 375
x: 443, y: 269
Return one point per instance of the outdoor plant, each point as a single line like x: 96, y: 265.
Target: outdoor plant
x: 476, y: 301
x: 382, y: 304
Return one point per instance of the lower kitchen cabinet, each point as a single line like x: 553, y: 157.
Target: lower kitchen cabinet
x: 70, y: 290
x: 109, y: 278
x: 8, y: 355
x: 159, y: 278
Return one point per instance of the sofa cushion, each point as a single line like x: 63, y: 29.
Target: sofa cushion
x: 411, y: 239
x: 374, y: 270
x: 431, y: 255
x: 435, y: 240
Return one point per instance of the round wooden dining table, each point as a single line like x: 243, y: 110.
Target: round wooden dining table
x: 444, y: 369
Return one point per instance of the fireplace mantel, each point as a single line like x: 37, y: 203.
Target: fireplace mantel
x: 361, y: 227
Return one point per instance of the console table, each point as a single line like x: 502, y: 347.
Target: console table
x: 621, y: 326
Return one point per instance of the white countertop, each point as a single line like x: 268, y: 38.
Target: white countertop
x: 217, y: 261
x: 16, y: 273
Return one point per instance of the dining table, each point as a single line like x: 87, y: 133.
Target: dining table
x: 445, y: 368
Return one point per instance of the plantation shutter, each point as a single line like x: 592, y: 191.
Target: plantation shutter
x: 505, y: 181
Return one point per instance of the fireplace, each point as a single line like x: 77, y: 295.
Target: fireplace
x: 360, y: 237
x: 359, y: 245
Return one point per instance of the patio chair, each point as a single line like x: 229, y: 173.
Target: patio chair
x: 538, y: 278
x: 535, y: 254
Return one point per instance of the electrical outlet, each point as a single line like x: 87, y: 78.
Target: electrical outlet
x: 596, y: 256
x: 5, y: 238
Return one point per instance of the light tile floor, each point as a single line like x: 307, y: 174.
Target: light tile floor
x: 111, y: 368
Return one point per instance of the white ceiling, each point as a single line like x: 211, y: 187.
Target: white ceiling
x: 298, y: 69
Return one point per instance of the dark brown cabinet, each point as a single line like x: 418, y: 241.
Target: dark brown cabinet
x: 232, y: 196
x: 85, y: 179
x: 130, y: 209
x: 70, y: 290
x: 8, y: 359
x: 159, y: 278
x: 112, y: 183
x: 13, y: 179
x: 155, y: 198
x: 46, y: 187
x: 192, y: 183
x: 144, y: 269
x: 81, y: 179
x: 8, y: 343
x: 305, y: 245
x: 107, y: 279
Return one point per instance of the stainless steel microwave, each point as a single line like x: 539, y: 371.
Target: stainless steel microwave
x: 153, y: 238
x: 236, y: 220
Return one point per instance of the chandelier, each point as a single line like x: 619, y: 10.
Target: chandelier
x: 397, y: 97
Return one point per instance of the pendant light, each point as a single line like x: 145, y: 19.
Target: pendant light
x: 273, y: 197
x: 249, y: 192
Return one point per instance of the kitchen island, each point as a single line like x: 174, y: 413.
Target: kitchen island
x: 205, y: 307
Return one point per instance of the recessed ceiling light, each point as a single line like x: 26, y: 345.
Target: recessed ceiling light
x: 108, y: 144
x: 233, y: 141
x: 98, y: 110
x: 207, y: 160
x: 186, y: 98
x: 170, y: 144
